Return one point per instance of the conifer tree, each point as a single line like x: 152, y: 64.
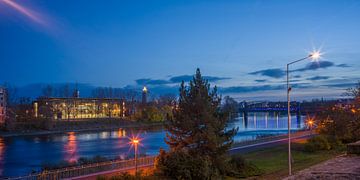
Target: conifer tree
x: 198, y: 127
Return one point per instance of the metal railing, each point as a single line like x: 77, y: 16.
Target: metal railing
x: 89, y: 169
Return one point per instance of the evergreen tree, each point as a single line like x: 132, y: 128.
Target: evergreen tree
x: 198, y: 128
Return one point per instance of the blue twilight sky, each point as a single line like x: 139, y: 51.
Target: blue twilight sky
x: 242, y: 46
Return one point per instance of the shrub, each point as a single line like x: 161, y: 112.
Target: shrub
x: 240, y: 168
x: 317, y: 143
x: 181, y: 165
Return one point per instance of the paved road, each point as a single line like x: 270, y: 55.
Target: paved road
x: 263, y: 145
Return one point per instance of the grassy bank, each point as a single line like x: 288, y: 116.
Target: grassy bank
x: 273, y: 161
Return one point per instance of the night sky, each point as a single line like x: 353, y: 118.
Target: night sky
x: 241, y: 46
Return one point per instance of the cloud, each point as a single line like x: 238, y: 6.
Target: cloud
x: 151, y: 81
x: 343, y: 65
x: 274, y: 73
x: 297, y: 76
x: 186, y: 78
x: 175, y: 79
x: 341, y: 85
x: 260, y: 80
x: 315, y: 66
x: 244, y: 89
x: 279, y: 73
x: 316, y: 78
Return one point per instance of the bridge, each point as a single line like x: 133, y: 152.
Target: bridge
x: 269, y: 107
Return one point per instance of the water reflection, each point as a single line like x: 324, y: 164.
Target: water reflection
x: 267, y: 120
x: 71, y: 148
x: 121, y: 133
x: 2, y: 152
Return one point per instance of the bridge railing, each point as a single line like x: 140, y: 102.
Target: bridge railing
x: 68, y: 173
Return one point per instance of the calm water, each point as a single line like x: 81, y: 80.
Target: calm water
x: 20, y: 155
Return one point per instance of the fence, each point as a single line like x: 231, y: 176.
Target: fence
x: 88, y: 169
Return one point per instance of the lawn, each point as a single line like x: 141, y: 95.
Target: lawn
x: 273, y: 161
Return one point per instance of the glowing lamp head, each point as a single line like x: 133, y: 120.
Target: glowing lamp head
x: 145, y: 89
x: 315, y: 55
x: 135, y: 141
x: 311, y: 122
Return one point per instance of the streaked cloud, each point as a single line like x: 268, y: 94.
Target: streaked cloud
x: 260, y: 80
x: 175, y: 80
x: 316, y: 78
x: 274, y: 73
x: 315, y: 65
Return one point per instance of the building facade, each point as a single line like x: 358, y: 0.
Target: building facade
x: 3, y: 105
x: 79, y: 108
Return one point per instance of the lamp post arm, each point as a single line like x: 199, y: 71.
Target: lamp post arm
x: 299, y: 60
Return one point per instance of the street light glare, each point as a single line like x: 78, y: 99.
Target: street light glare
x: 315, y: 55
x: 135, y: 141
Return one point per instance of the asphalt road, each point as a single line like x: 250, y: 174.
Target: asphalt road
x: 264, y: 145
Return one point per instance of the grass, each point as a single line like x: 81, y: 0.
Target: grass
x: 273, y: 161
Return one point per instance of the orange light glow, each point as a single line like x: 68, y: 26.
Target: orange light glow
x: 135, y: 141
x: 71, y: 148
x: 353, y: 110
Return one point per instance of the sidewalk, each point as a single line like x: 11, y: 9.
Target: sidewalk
x: 342, y: 167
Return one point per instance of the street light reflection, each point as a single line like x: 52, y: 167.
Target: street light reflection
x: 71, y: 148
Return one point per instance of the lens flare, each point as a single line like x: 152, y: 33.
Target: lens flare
x: 25, y: 11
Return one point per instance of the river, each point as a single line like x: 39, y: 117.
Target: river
x: 20, y: 155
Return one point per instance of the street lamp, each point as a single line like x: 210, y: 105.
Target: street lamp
x: 310, y: 123
x: 135, y: 142
x: 315, y: 55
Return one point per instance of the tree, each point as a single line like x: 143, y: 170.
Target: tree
x: 342, y: 122
x: 64, y: 91
x: 355, y: 93
x: 230, y: 106
x: 198, y: 130
x: 48, y: 91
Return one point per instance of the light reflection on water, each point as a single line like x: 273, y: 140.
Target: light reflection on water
x: 20, y: 155
x: 71, y: 148
x: 2, y: 150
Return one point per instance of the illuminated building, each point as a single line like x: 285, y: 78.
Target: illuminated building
x: 79, y: 108
x: 2, y: 105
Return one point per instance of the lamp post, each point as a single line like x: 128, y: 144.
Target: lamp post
x: 135, y: 142
x: 314, y: 56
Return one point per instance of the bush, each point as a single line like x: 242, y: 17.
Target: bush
x: 240, y: 168
x: 317, y: 143
x: 181, y: 165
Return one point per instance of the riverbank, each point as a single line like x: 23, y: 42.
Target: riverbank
x: 78, y: 128
x: 273, y: 163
